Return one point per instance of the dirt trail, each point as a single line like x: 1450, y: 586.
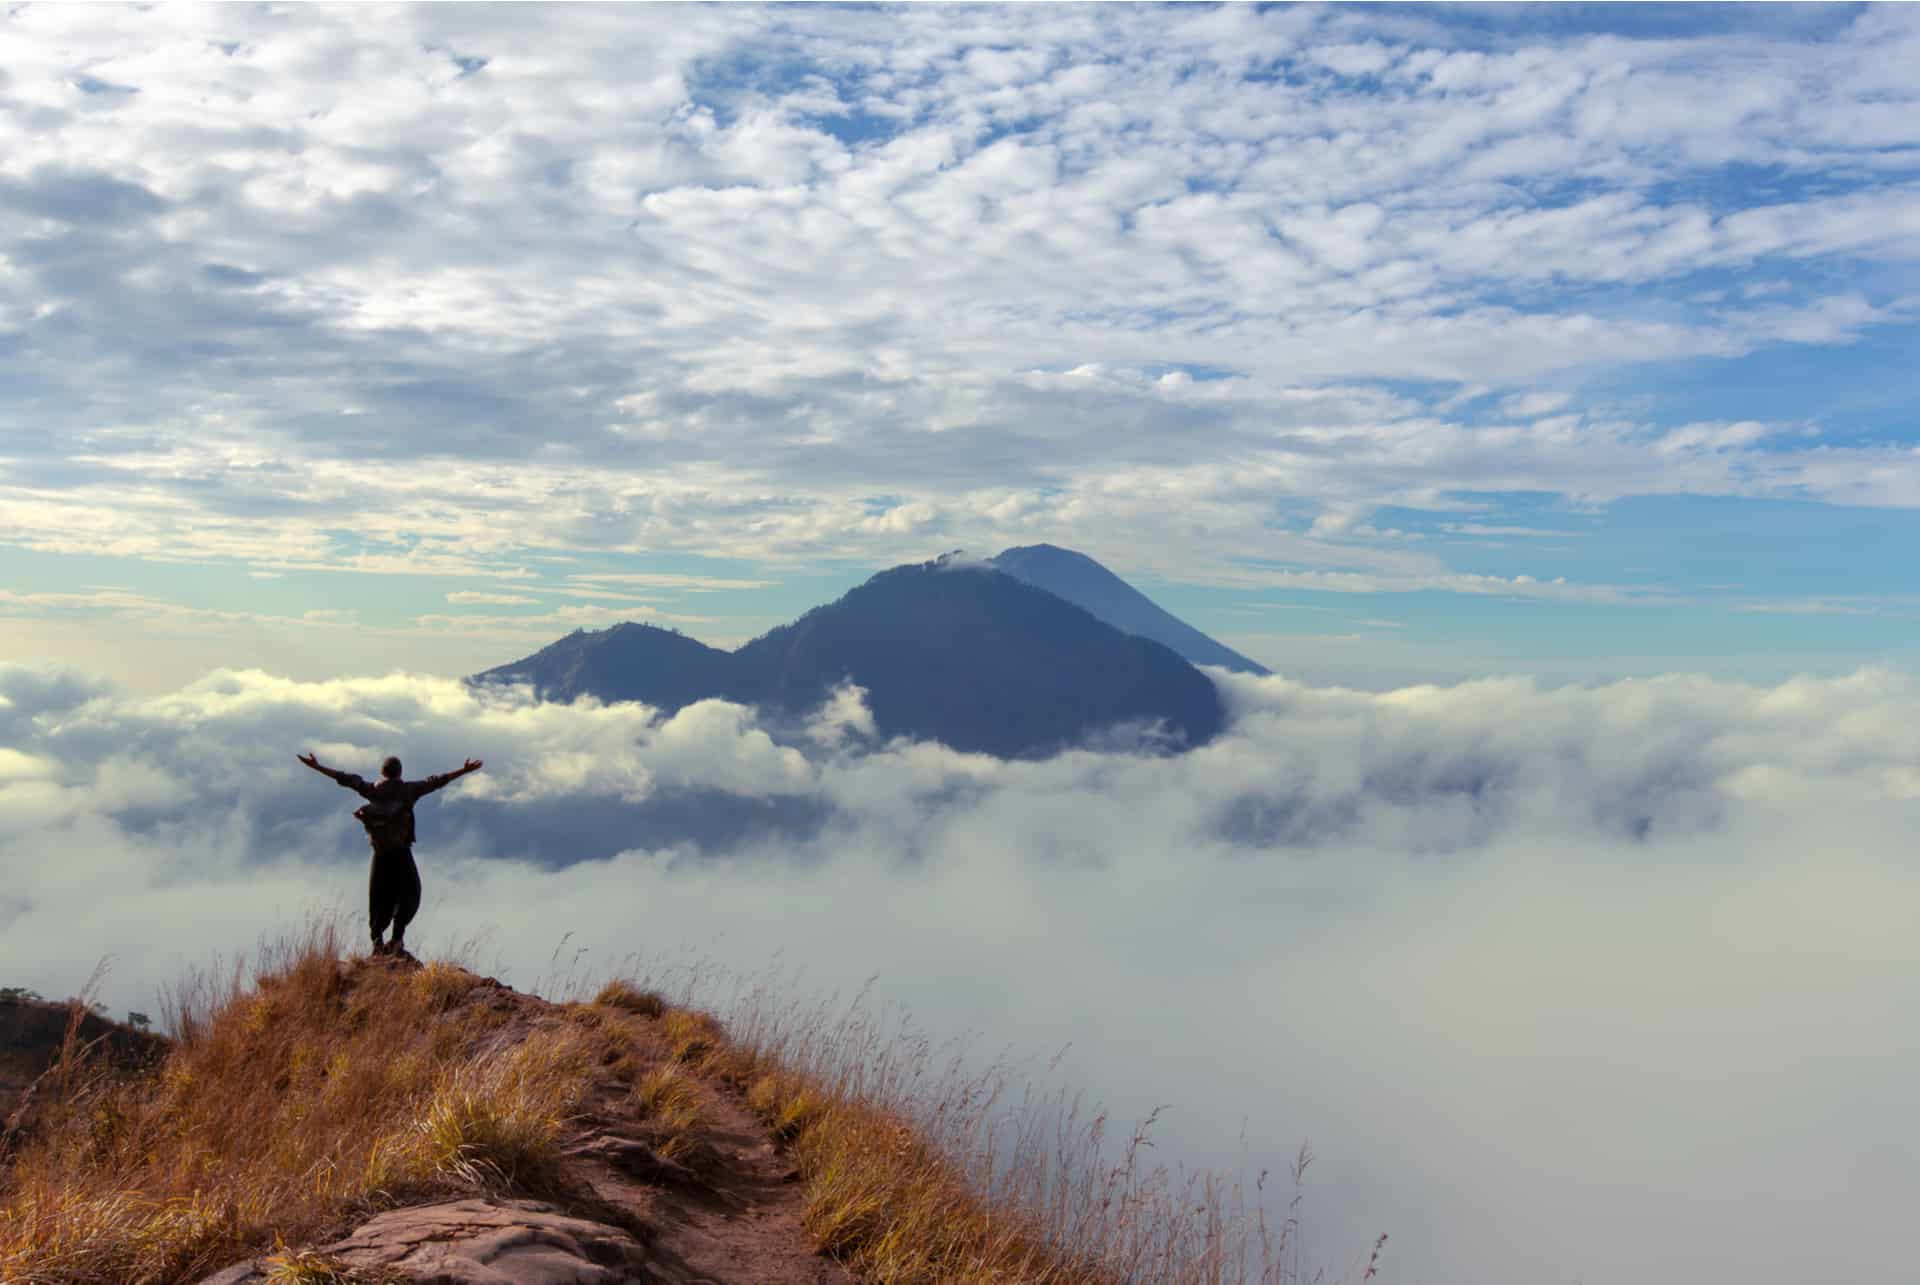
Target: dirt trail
x: 733, y: 1212
x: 728, y: 1210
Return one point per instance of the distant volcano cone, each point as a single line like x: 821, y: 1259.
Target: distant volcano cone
x: 1090, y: 586
x: 953, y: 651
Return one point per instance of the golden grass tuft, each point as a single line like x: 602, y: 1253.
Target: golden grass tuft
x: 290, y: 1268
x: 625, y: 995
x: 693, y: 1036
x: 668, y: 1103
x: 290, y: 1099
x: 443, y: 984
x: 788, y: 1103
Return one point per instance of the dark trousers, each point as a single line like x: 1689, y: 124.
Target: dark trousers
x: 393, y: 891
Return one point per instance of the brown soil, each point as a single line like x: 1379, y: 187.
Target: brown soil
x: 733, y: 1211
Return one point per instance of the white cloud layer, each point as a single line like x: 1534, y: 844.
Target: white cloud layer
x: 426, y: 291
x: 1582, y: 984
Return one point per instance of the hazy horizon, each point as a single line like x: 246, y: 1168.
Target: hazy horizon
x: 1530, y: 388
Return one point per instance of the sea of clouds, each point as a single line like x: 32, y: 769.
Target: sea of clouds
x: 1581, y: 984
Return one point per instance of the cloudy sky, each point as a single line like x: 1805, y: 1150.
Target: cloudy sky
x: 1384, y: 343
x: 1531, y: 389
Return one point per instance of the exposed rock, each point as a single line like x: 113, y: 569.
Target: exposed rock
x: 479, y: 1242
x: 635, y: 1159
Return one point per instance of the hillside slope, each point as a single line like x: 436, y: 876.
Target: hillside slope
x: 392, y: 1122
x: 377, y: 1122
x: 36, y: 1033
x: 659, y: 1175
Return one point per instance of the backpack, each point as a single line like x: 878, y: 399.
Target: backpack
x: 388, y: 821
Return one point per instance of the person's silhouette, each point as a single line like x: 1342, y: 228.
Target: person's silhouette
x: 393, y: 883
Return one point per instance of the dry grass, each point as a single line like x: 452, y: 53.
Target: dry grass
x: 668, y: 1102
x: 625, y: 995
x: 693, y: 1036
x: 302, y: 1093
x: 289, y: 1268
x: 286, y: 1105
x: 919, y: 1167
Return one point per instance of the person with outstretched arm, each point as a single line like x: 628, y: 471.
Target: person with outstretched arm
x: 393, y: 884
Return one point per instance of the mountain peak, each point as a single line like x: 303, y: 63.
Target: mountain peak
x: 629, y: 660
x: 983, y: 662
x: 1081, y: 580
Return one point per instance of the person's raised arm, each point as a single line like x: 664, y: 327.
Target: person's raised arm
x: 433, y: 783
x: 347, y: 779
x: 313, y: 761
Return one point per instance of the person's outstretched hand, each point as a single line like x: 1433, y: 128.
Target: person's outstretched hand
x: 310, y: 759
x: 471, y: 765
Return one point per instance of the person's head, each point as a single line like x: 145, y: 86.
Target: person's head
x: 391, y: 768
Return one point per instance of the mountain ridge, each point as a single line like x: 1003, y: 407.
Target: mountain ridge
x: 949, y: 650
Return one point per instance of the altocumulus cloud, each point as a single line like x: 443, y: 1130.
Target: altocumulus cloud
x: 1589, y: 983
x: 1007, y: 274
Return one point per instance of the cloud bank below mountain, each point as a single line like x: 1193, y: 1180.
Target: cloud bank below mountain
x: 1571, y: 984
